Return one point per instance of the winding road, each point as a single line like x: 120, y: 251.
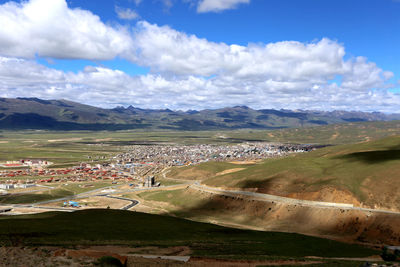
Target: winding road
x: 285, y: 200
x: 274, y: 198
x: 197, y: 186
x: 127, y: 207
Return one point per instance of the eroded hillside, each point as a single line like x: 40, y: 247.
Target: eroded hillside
x: 365, y: 174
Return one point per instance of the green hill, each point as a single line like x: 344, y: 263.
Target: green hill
x: 363, y: 174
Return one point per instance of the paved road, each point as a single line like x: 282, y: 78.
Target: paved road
x: 167, y: 187
x: 127, y: 207
x: 88, y: 194
x: 285, y: 200
x: 78, y: 196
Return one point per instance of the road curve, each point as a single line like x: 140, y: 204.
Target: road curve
x: 285, y: 200
x: 127, y: 207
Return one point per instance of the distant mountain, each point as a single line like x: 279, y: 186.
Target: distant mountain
x: 34, y: 113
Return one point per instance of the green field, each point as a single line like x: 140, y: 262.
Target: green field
x: 115, y: 227
x: 70, y: 147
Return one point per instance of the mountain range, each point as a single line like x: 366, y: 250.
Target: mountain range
x: 35, y: 113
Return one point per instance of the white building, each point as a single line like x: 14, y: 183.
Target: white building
x: 7, y: 186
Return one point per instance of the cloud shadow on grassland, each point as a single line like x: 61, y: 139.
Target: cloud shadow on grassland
x: 374, y: 156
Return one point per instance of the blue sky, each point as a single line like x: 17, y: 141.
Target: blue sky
x: 370, y: 28
x: 299, y: 54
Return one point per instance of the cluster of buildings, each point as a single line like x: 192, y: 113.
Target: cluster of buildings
x: 147, y: 160
x: 141, y: 163
x: 32, y: 163
x: 83, y: 173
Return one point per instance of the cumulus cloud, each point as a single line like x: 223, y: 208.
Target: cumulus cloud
x: 286, y: 66
x: 186, y: 71
x: 167, y: 50
x: 126, y: 13
x: 218, y: 5
x: 108, y: 88
x: 49, y: 28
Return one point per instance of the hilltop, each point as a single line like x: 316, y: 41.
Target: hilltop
x: 34, y: 113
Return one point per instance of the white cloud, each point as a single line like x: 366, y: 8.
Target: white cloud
x: 287, y: 65
x: 109, y: 88
x: 126, y: 13
x: 49, y: 28
x: 218, y: 5
x: 203, y: 6
x: 186, y: 71
x: 167, y: 3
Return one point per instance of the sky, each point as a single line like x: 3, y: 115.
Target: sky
x: 198, y: 54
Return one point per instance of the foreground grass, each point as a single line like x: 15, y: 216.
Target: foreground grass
x: 115, y: 227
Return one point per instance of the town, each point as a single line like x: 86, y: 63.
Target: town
x: 137, y: 164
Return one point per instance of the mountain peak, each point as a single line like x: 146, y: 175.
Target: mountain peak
x: 241, y: 107
x: 35, y: 113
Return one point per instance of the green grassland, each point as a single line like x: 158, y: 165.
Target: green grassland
x: 62, y: 153
x: 335, y: 134
x: 370, y: 171
x: 176, y: 197
x: 202, y: 171
x: 168, y: 182
x: 69, y: 147
x: 115, y: 227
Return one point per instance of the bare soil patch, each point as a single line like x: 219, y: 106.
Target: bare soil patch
x: 64, y: 140
x: 229, y: 171
x: 334, y: 136
x: 245, y: 162
x: 328, y: 194
x: 103, y: 202
x: 104, y: 139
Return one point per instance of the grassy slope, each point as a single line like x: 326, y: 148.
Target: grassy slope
x: 138, y: 229
x: 337, y: 134
x: 370, y: 171
x: 202, y: 171
x: 176, y: 197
